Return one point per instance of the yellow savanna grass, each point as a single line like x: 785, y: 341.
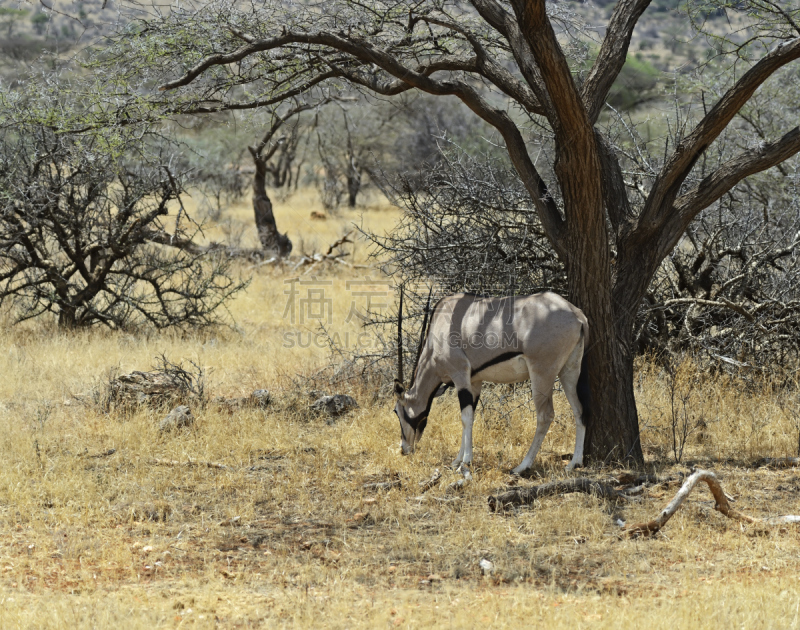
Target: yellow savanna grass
x: 287, y: 535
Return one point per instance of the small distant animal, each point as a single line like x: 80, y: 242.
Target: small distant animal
x: 472, y: 340
x: 318, y: 216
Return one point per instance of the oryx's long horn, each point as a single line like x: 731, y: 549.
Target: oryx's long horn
x: 400, y: 339
x: 422, y: 335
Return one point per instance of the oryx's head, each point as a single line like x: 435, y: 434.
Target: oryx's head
x: 411, y: 426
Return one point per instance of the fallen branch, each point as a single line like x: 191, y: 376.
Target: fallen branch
x: 465, y: 479
x: 382, y: 485
x: 778, y: 462
x: 341, y: 241
x: 161, y: 237
x: 430, y: 483
x: 329, y: 256
x: 107, y: 453
x: 526, y: 496
x: 722, y: 505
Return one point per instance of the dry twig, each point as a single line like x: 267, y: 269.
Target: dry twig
x: 722, y: 505
x: 430, y: 483
x: 189, y: 463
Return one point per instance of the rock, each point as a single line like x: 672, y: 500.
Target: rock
x: 487, y: 567
x: 334, y: 406
x: 178, y: 418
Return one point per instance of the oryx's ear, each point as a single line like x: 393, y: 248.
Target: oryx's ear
x: 442, y: 389
x: 399, y: 389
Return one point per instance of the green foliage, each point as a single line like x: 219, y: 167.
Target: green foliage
x: 39, y: 21
x: 636, y: 84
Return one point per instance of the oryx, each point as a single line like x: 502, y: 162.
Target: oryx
x: 473, y: 339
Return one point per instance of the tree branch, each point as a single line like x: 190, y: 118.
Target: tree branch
x: 657, y: 210
x: 488, y: 67
x: 568, y: 115
x: 612, y: 56
x: 722, y: 505
x: 715, y: 185
x: 505, y: 24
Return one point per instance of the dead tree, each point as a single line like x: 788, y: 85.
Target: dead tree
x: 75, y: 225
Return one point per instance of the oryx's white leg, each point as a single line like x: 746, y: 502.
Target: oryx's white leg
x: 467, y: 398
x: 569, y: 380
x: 542, y: 388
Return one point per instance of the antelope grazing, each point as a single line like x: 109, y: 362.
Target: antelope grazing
x: 471, y: 340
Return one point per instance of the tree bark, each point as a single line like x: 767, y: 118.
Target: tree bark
x: 613, y: 430
x: 271, y: 239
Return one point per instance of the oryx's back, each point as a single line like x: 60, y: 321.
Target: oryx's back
x: 491, y: 331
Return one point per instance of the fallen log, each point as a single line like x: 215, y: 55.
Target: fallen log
x: 526, y: 496
x: 161, y: 237
x: 722, y: 505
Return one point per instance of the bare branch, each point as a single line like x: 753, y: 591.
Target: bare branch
x: 721, y: 505
x: 657, y: 210
x: 712, y: 187
x: 612, y: 56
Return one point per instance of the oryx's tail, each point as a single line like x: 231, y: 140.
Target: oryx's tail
x: 583, y: 390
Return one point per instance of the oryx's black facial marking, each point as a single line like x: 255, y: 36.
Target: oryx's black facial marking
x: 501, y: 358
x: 419, y: 421
x: 465, y: 399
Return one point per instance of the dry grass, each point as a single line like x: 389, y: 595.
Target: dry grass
x: 116, y: 541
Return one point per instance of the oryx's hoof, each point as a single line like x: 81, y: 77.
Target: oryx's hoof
x: 465, y: 471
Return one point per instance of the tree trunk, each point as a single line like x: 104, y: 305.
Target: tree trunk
x: 613, y: 430
x: 271, y: 239
x: 612, y: 434
x: 353, y: 183
x: 67, y: 317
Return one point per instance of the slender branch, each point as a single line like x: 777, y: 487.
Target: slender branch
x: 506, y: 24
x: 612, y: 56
x: 488, y: 67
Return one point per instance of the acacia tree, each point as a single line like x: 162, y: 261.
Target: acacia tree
x: 515, y: 64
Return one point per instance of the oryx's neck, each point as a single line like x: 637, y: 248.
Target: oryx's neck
x: 426, y: 382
